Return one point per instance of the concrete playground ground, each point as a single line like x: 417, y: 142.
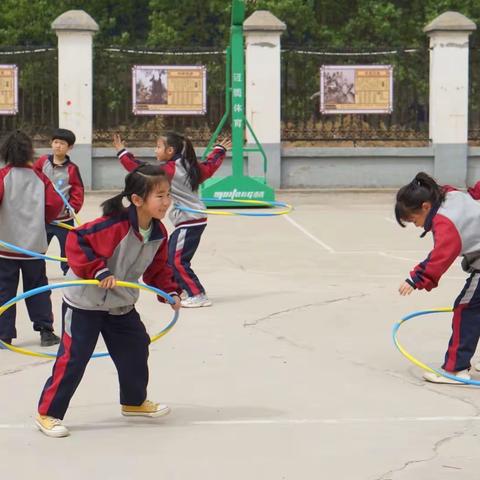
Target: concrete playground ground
x: 291, y: 374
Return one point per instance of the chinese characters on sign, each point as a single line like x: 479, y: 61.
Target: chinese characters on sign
x: 169, y: 90
x: 8, y: 89
x: 356, y: 89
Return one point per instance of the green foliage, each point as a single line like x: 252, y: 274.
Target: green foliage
x: 353, y: 25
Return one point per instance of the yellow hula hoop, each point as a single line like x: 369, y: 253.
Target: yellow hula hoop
x: 75, y: 283
x: 417, y: 362
x: 24, y: 251
x: 259, y: 203
x: 65, y: 225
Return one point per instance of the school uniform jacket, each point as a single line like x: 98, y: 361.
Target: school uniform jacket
x: 455, y: 226
x: 113, y: 246
x: 67, y: 179
x: 182, y: 193
x: 27, y: 201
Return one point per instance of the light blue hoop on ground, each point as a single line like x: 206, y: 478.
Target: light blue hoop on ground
x: 420, y: 364
x: 251, y: 203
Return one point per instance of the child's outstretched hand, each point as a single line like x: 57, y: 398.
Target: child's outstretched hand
x: 118, y: 142
x: 405, y: 289
x: 176, y: 306
x: 226, y: 143
x: 108, y: 282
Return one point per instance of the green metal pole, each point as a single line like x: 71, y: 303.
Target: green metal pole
x: 238, y: 100
x: 237, y: 185
x: 228, y: 92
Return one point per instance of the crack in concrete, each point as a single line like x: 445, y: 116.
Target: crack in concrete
x: 12, y: 371
x: 464, y: 400
x: 301, y: 307
x: 389, y: 475
x: 282, y: 338
x: 390, y: 373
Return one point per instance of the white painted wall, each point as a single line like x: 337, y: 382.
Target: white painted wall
x: 263, y: 85
x: 75, y: 83
x: 449, y: 87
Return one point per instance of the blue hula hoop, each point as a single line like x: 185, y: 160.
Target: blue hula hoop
x: 46, y: 288
x: 251, y: 203
x: 37, y: 255
x: 410, y: 357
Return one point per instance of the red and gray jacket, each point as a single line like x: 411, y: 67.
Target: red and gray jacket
x: 66, y: 178
x: 27, y: 201
x: 114, y: 246
x: 455, y: 226
x: 182, y: 193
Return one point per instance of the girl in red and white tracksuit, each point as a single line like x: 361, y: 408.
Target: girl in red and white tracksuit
x: 124, y: 244
x: 178, y: 158
x: 453, y: 218
x: 27, y: 202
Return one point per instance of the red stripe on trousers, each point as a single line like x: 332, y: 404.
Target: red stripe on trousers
x: 181, y: 270
x: 58, y: 374
x: 453, y: 348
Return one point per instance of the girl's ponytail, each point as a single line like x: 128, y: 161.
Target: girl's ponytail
x: 183, y: 145
x: 410, y: 198
x: 190, y: 163
x: 424, y: 181
x: 140, y: 182
x: 113, y: 206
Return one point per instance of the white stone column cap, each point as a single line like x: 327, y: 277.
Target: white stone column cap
x: 262, y: 21
x: 450, y: 22
x: 77, y: 20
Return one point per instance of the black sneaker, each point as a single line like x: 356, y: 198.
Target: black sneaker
x: 7, y: 340
x: 48, y: 338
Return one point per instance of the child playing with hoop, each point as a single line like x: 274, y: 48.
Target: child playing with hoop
x: 27, y: 201
x: 177, y: 156
x: 125, y: 243
x: 453, y: 218
x: 65, y: 175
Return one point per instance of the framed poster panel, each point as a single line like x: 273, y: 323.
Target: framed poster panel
x: 169, y: 90
x: 356, y: 89
x: 8, y: 89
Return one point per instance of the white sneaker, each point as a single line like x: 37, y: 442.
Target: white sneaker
x: 435, y: 378
x: 52, y: 427
x: 196, y: 301
x: 477, y: 367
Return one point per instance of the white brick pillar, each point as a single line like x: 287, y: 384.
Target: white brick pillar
x: 449, y: 47
x: 75, y: 30
x: 263, y: 91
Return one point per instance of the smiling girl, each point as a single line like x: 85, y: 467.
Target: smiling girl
x: 126, y: 243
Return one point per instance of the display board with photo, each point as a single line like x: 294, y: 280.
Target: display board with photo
x: 169, y: 90
x: 356, y: 89
x: 8, y: 89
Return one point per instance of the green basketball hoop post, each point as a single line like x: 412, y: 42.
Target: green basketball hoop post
x: 237, y: 185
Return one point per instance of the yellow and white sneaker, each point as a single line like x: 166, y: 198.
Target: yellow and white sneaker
x: 435, y: 378
x: 50, y: 426
x: 146, y: 409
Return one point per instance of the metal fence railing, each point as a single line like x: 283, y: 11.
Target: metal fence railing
x: 37, y: 91
x: 474, y: 95
x: 112, y: 109
x: 301, y: 117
